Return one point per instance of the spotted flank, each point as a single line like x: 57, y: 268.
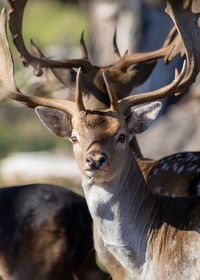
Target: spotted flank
x: 176, y: 175
x: 178, y: 163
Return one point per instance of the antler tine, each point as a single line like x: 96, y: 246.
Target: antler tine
x: 36, y: 49
x: 7, y: 79
x: 15, y: 24
x: 174, y: 44
x: 112, y: 96
x: 67, y: 106
x: 170, y: 37
x: 83, y: 46
x: 78, y: 94
x: 171, y: 47
x: 115, y: 46
x: 171, y: 89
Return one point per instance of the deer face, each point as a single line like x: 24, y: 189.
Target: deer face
x: 99, y: 143
x: 100, y: 139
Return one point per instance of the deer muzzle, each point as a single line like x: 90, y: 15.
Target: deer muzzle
x: 95, y: 161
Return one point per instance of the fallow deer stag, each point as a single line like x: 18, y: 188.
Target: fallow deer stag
x: 152, y: 237
x: 121, y: 79
x: 45, y: 234
x: 131, y: 220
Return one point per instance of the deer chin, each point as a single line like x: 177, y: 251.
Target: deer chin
x: 99, y: 176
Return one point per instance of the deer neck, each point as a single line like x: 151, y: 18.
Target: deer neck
x: 123, y: 211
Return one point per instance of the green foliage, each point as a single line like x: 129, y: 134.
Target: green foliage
x: 53, y: 22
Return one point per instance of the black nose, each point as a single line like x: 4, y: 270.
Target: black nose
x: 96, y: 161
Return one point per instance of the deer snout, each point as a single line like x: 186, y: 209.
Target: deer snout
x: 95, y: 160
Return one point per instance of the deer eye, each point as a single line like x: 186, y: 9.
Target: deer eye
x: 74, y: 139
x: 121, y: 138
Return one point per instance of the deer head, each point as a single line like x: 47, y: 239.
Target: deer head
x: 67, y: 114
x: 124, y: 74
x: 67, y: 117
x: 99, y: 138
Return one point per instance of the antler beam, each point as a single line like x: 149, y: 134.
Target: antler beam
x: 186, y: 23
x: 122, y: 78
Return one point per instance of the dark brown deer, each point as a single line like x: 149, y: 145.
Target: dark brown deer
x: 137, y: 226
x: 45, y: 234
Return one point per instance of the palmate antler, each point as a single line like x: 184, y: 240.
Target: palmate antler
x: 121, y: 76
x: 186, y: 23
x: 69, y: 107
x: 190, y: 69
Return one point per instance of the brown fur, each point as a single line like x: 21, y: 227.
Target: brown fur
x: 160, y: 238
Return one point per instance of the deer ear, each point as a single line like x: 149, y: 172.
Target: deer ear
x: 56, y: 121
x: 143, y: 116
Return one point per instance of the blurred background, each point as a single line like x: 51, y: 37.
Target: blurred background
x: 28, y: 152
